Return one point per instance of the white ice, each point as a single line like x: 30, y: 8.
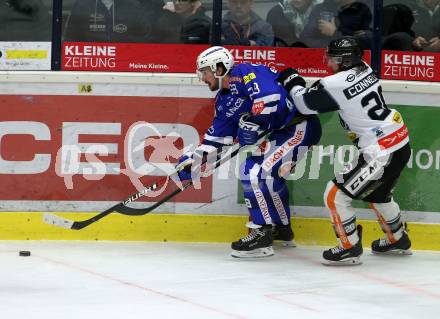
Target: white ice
x: 108, y: 280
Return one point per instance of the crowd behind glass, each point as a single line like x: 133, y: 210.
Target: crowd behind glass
x: 408, y: 25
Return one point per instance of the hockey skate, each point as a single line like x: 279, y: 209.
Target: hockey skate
x: 283, y: 235
x: 258, y: 243
x: 339, y: 256
x: 383, y: 246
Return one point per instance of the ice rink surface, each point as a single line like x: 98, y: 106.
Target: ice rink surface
x: 106, y: 280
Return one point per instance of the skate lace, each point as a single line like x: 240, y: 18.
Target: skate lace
x: 337, y: 250
x: 384, y: 242
x: 251, y: 236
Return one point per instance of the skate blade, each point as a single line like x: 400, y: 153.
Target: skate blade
x: 353, y: 261
x: 394, y: 252
x: 256, y: 253
x: 284, y: 243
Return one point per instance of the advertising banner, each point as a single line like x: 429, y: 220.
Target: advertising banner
x: 413, y: 66
x: 77, y: 146
x: 179, y: 58
x: 29, y: 56
x: 96, y: 148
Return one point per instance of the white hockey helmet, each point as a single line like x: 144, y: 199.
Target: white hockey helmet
x: 212, y: 57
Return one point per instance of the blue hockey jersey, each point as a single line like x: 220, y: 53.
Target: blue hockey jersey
x: 252, y: 89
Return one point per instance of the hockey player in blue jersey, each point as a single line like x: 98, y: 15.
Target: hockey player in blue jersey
x: 250, y: 101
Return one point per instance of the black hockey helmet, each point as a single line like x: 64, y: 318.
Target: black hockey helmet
x: 347, y: 52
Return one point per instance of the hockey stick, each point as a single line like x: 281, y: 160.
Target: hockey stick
x: 122, y: 206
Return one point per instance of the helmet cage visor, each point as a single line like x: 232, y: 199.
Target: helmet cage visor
x: 213, y: 68
x: 204, y: 71
x: 333, y: 58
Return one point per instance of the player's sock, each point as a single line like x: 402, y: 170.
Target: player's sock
x: 349, y: 236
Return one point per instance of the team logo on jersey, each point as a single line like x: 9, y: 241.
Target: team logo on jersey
x: 397, y: 117
x: 378, y: 132
x: 249, y: 77
x: 257, y: 107
x: 351, y: 136
x: 350, y: 78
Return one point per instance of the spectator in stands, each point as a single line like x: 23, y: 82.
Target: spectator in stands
x: 152, y: 11
x: 430, y: 41
x: 333, y: 19
x: 24, y: 20
x: 242, y: 26
x: 288, y: 19
x: 397, y: 27
x: 107, y: 21
x: 189, y: 21
x: 408, y: 26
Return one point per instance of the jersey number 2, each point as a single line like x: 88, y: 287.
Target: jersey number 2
x: 379, y: 110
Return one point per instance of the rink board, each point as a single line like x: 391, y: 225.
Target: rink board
x: 191, y: 228
x: 42, y: 112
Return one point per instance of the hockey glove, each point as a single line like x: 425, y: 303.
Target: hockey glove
x: 183, y: 167
x: 247, y: 131
x: 289, y: 78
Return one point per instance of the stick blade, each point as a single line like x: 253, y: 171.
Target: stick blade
x: 57, y: 221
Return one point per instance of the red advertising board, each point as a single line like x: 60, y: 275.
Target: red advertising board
x: 95, y: 147
x: 415, y: 66
x: 179, y: 58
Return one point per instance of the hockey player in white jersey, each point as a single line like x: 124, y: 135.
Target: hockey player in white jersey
x: 381, y: 137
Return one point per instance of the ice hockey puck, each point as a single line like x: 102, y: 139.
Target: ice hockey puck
x: 24, y: 253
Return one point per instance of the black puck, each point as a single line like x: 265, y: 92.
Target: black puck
x: 24, y: 253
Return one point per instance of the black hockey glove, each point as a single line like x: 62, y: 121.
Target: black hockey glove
x: 289, y: 78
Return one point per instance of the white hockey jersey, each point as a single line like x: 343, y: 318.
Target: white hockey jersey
x: 357, y: 96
